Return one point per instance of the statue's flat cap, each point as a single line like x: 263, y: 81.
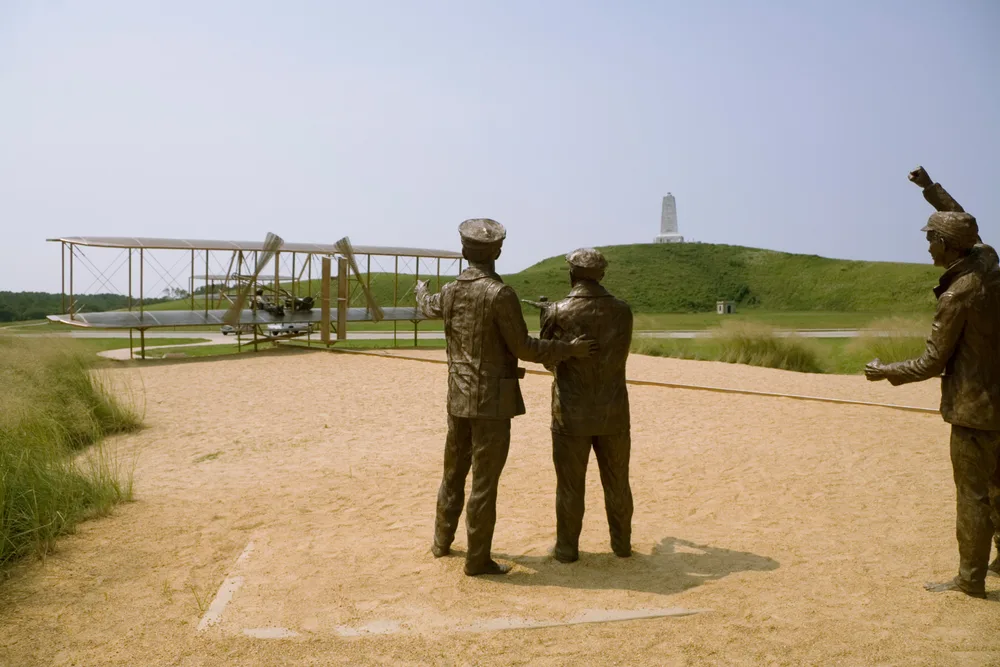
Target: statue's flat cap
x: 587, y: 258
x: 960, y: 229
x: 481, y: 232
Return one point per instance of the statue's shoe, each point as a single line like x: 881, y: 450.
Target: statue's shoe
x: 956, y: 585
x: 622, y: 552
x: 489, y: 567
x: 564, y: 555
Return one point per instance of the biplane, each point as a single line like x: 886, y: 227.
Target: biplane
x: 242, y: 293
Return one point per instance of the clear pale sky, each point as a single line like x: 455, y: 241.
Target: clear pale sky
x: 778, y: 124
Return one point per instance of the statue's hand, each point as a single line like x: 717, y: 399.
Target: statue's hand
x: 421, y: 287
x: 920, y: 177
x: 583, y: 347
x: 875, y: 370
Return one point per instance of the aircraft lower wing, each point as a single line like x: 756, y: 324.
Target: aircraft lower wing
x: 150, y: 319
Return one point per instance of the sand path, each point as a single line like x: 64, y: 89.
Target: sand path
x: 800, y: 532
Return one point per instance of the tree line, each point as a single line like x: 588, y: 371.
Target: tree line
x: 21, y: 306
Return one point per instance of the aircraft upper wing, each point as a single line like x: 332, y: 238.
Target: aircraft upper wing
x: 150, y: 319
x: 247, y: 246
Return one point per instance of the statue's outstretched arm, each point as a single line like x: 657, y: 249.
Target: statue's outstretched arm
x: 949, y: 320
x: 428, y: 304
x: 934, y: 193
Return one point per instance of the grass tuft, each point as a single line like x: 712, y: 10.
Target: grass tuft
x: 740, y: 343
x: 52, y: 407
x: 757, y: 345
x: 891, y: 340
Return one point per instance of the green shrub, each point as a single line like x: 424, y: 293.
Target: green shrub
x: 739, y: 343
x: 892, y: 339
x: 52, y: 405
x: 677, y: 348
x: 757, y: 345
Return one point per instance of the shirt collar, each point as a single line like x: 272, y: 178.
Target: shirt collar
x: 475, y: 273
x: 979, y: 259
x: 588, y: 289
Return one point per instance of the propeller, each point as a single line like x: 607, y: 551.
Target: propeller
x: 344, y: 247
x: 272, y: 244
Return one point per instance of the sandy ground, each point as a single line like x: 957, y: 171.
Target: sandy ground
x: 798, y: 532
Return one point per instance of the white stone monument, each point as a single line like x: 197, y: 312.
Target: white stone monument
x: 668, y: 222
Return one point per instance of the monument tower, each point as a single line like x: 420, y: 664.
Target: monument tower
x: 668, y: 222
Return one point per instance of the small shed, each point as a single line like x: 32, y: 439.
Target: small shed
x: 725, y: 307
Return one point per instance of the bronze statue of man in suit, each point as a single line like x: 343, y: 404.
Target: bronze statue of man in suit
x: 938, y: 197
x: 964, y: 347
x: 590, y: 407
x: 485, y: 335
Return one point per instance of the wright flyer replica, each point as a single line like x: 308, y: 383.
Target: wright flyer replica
x: 266, y: 291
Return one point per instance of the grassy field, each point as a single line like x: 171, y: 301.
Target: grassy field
x: 28, y: 325
x: 676, y: 286
x: 750, y: 340
x: 91, y: 346
x: 893, y: 339
x: 53, y: 409
x: 789, y: 320
x: 897, y: 339
x: 95, y: 345
x: 691, y: 277
x: 793, y: 320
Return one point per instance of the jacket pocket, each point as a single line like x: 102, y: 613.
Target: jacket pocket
x: 509, y: 397
x: 463, y: 395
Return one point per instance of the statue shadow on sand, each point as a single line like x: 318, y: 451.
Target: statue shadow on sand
x: 675, y: 565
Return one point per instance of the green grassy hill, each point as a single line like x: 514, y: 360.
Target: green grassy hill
x: 691, y: 277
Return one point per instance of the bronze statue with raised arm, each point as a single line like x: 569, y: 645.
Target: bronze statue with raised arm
x: 590, y: 407
x: 963, y: 348
x: 941, y: 200
x: 485, y: 336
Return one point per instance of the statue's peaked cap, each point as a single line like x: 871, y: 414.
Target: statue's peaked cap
x: 481, y: 232
x: 960, y: 229
x: 587, y: 258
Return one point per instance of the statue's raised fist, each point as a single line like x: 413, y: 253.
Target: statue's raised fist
x: 920, y: 177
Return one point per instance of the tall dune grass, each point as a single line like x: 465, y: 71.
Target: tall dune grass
x: 891, y: 339
x: 675, y: 348
x: 741, y: 343
x: 757, y: 345
x: 53, y: 409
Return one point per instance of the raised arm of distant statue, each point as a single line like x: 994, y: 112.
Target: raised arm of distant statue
x: 428, y: 304
x: 934, y: 193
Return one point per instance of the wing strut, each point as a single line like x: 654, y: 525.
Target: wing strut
x: 344, y: 247
x: 272, y: 244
